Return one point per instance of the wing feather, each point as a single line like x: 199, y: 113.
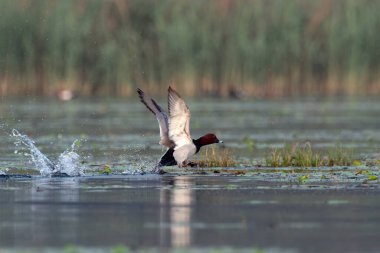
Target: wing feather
x: 161, y: 115
x: 179, y: 115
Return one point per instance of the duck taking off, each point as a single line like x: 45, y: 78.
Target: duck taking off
x: 175, y: 130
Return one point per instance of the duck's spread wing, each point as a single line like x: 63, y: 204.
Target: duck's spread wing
x: 161, y: 115
x: 179, y: 130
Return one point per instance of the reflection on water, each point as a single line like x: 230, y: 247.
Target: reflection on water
x: 185, y: 211
x: 180, y: 213
x: 175, y: 213
x: 28, y: 213
x: 43, y: 228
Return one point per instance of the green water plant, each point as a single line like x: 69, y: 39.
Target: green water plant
x: 305, y: 156
x: 357, y: 163
x: 216, y: 157
x: 339, y: 156
x: 302, y: 179
x: 372, y: 177
x: 106, y: 170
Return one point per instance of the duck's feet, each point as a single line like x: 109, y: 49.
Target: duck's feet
x: 158, y: 170
x: 193, y: 164
x: 161, y: 172
x: 184, y: 164
x: 60, y: 174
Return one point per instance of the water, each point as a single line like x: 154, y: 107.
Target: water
x: 124, y: 133
x: 247, y: 208
x: 69, y: 162
x: 201, y: 212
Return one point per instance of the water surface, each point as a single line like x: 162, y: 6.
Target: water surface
x: 335, y: 210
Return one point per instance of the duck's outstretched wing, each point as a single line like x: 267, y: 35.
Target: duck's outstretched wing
x: 161, y: 115
x: 179, y: 113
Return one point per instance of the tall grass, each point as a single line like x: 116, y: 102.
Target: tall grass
x: 297, y: 155
x: 213, y: 157
x: 265, y: 47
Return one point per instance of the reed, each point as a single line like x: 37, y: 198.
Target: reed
x: 264, y: 47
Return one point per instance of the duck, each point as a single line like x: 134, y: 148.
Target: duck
x: 175, y: 131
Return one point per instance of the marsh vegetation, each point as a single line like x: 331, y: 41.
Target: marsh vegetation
x: 263, y: 47
x: 303, y: 155
x: 216, y: 157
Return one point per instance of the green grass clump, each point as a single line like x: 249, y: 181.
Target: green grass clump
x: 216, y: 157
x: 304, y: 156
x: 339, y: 156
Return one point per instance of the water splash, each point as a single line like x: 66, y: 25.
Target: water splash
x: 68, y: 162
x: 140, y: 167
x: 43, y: 163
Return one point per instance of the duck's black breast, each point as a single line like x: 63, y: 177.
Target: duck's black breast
x: 197, y: 145
x: 168, y: 159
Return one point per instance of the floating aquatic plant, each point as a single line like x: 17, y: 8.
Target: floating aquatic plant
x: 302, y: 179
x: 357, y: 163
x: 106, y: 170
x: 372, y: 177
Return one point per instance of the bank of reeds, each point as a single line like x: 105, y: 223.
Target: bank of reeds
x: 264, y: 47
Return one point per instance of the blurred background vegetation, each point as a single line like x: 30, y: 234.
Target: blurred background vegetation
x: 265, y: 48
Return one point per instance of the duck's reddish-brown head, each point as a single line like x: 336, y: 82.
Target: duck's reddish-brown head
x: 208, y: 139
